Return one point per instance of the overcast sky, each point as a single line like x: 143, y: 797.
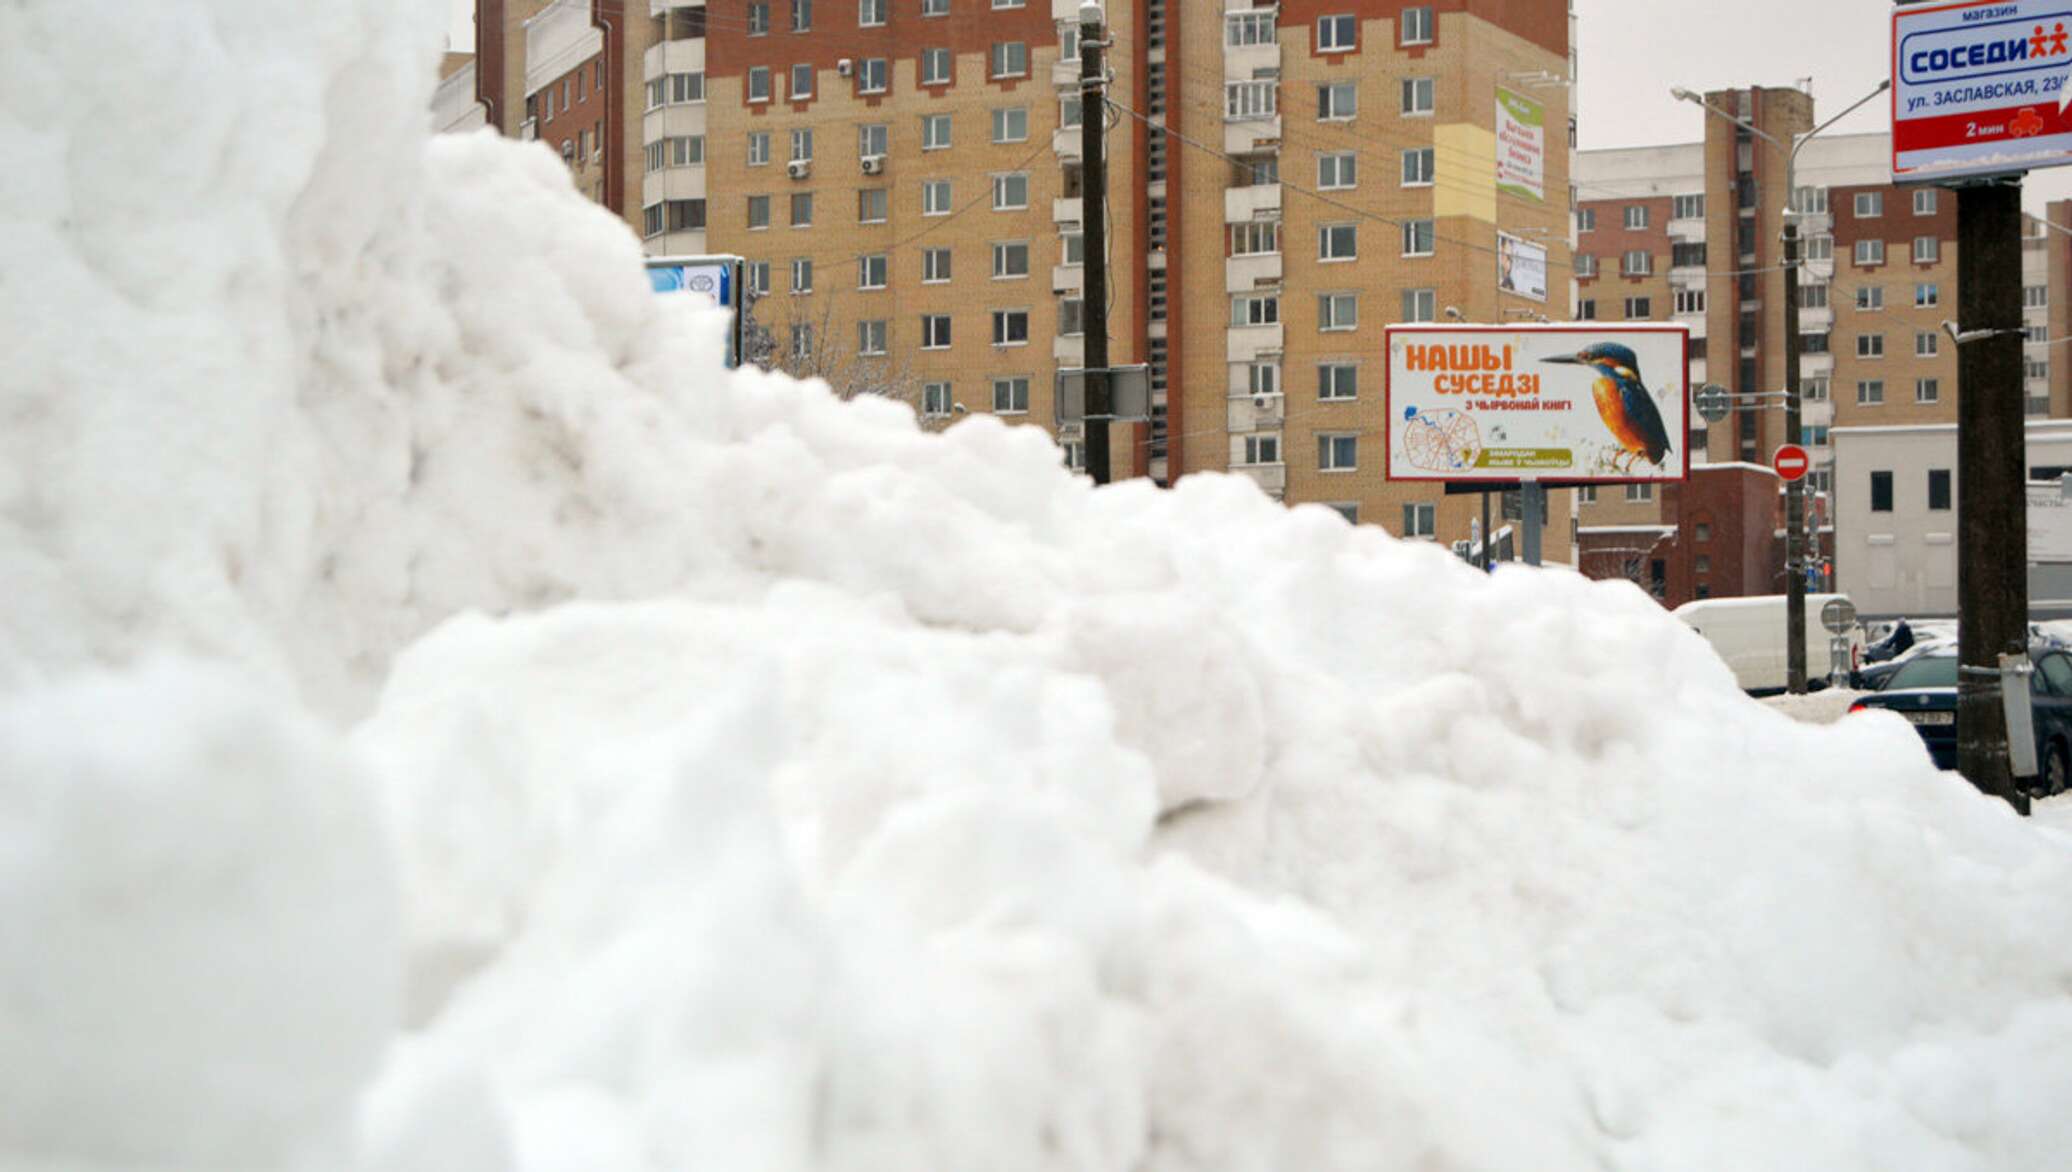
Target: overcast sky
x: 1633, y: 51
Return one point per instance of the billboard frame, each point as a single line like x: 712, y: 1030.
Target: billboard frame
x: 1957, y: 176
x: 737, y: 278
x: 1564, y: 480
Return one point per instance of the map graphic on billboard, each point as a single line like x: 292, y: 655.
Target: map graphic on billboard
x: 1979, y: 87
x: 1566, y: 402
x: 1521, y: 146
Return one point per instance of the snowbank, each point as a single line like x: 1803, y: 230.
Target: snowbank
x: 767, y: 784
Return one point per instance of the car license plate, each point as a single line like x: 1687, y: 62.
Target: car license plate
x: 1932, y: 717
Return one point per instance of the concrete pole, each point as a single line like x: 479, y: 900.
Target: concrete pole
x: 1093, y: 119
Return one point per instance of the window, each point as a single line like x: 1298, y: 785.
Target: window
x: 1338, y: 311
x: 1011, y: 124
x: 1416, y: 27
x: 935, y: 132
x: 1418, y: 168
x: 1586, y: 219
x: 873, y: 75
x: 1071, y: 112
x: 2035, y: 368
x: 1870, y: 252
x: 1010, y: 259
x: 1881, y: 492
x: 870, y: 13
x: 759, y: 277
x: 1011, y: 191
x: 1248, y: 28
x: 685, y: 88
x: 1337, y: 380
x: 1010, y: 327
x: 758, y: 18
x: 1072, y: 248
x: 1011, y: 396
x: 1810, y: 200
x: 1072, y: 317
x: 871, y: 270
x: 1870, y: 392
x: 1337, y: 101
x: 685, y: 215
x: 801, y: 82
x: 1337, y: 170
x: 1248, y: 100
x: 1338, y: 453
x: 935, y: 69
x: 802, y: 144
x: 1687, y: 255
x: 1869, y: 297
x: 758, y: 211
x: 759, y: 83
x: 1690, y: 301
x: 801, y: 15
x: 935, y: 266
x: 1870, y: 345
x: 1263, y: 378
x: 936, y: 400
x: 1926, y: 343
x: 1820, y: 248
x: 1587, y: 494
x: 1813, y: 296
x: 1939, y: 489
x: 759, y: 148
x: 1263, y: 449
x: 1420, y: 520
x: 935, y: 197
x: 802, y: 341
x: 870, y: 337
x: 1926, y: 390
x: 1869, y: 204
x: 1337, y: 242
x: 1639, y: 308
x: 935, y: 7
x: 1586, y: 266
x: 2035, y: 335
x: 802, y: 274
x: 802, y: 209
x: 1337, y: 34
x: 1636, y: 217
x: 1815, y: 343
x: 1924, y: 201
x: 1418, y: 95
x: 2035, y: 296
x: 873, y: 205
x: 1637, y: 263
x: 935, y: 331
x: 1255, y: 238
x: 873, y: 138
x: 1687, y: 207
x: 1009, y: 3
x: 1586, y: 309
x: 1010, y: 59
x: 1925, y: 250
x: 1255, y: 309
x: 651, y: 220
x: 1926, y: 295
x: 1640, y: 492
x: 1418, y: 238
x: 1420, y: 304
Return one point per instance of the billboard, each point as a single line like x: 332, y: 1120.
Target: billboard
x: 1978, y: 87
x: 717, y: 279
x: 1606, y: 404
x: 1521, y: 146
x: 1521, y: 266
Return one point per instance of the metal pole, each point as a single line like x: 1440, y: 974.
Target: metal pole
x: 1533, y: 498
x: 1488, y: 539
x: 1992, y: 501
x: 1093, y: 117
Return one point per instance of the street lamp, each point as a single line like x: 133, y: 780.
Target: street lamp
x: 1794, y: 491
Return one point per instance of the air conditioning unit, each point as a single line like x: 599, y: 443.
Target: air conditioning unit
x: 874, y: 164
x: 799, y: 168
x: 1262, y: 402
x: 845, y: 67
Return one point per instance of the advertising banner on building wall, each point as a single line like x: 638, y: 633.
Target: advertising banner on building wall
x: 1521, y: 146
x: 2050, y: 525
x: 1566, y: 402
x: 1521, y: 266
x: 1978, y: 87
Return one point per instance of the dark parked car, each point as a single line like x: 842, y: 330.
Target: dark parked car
x: 1924, y: 690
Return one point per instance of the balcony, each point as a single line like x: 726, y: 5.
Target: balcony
x: 1816, y: 364
x: 1067, y: 211
x: 1252, y: 134
x: 1064, y: 73
x: 1689, y: 230
x: 1255, y: 413
x: 529, y: 130
x: 1248, y: 343
x: 1242, y: 205
x: 667, y: 57
x: 1065, y: 10
x: 1816, y: 319
x: 1069, y: 351
x: 1242, y: 274
x: 1273, y: 478
x: 1250, y: 62
x: 1067, y: 278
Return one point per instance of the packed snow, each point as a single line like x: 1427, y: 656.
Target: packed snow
x: 447, y: 722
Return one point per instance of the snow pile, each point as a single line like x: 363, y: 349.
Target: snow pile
x: 721, y: 776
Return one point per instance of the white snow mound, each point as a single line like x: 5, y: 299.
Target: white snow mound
x: 718, y: 775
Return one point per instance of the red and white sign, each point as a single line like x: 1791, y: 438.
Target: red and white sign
x: 1791, y: 462
x: 1979, y: 88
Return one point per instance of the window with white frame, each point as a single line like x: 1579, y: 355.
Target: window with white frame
x: 651, y: 220
x: 1011, y: 396
x: 1420, y: 519
x: 1337, y: 170
x: 1869, y: 297
x: 1640, y: 492
x: 870, y: 337
x: 1071, y: 111
x: 1637, y: 262
x: 1870, y: 345
x: 1011, y: 124
x: 873, y: 75
x: 2035, y: 296
x: 1255, y: 238
x: 1338, y: 33
x: 1419, y: 167
x: 2035, y: 335
x: 935, y: 331
x: 1636, y: 217
x: 935, y: 132
x: 1419, y: 238
x: 758, y: 212
x: 935, y: 197
x: 1419, y: 95
x: 1687, y: 207
x: 1338, y: 380
x: 1010, y: 327
x: 802, y: 144
x: 935, y: 7
x: 1926, y: 294
x: 802, y: 340
x: 1338, y: 453
x: 1927, y: 390
x: 1813, y: 296
x: 871, y: 270
x: 1870, y: 391
x: 1586, y: 265
x: 801, y: 16
x: 1814, y: 388
x: 1248, y: 100
x: 1820, y: 248
x: 873, y: 138
x: 1255, y: 309
x: 1586, y: 219
x: 1924, y: 201
x: 758, y: 83
x: 1336, y: 242
x: 936, y: 400
x: 1241, y: 29
x: 1338, y: 311
x: 1337, y: 101
x: 1690, y: 301
x: 1010, y: 259
x: 870, y: 13
x: 1416, y: 25
x: 1810, y: 200
x: 802, y: 274
x: 2036, y: 368
x: 1071, y: 317
x: 1639, y: 308
x: 801, y: 82
x: 1927, y: 343
x: 1010, y: 59
x: 802, y: 209
x: 759, y: 148
x: 758, y: 18
x: 1263, y: 448
x: 935, y: 265
x: 1263, y: 378
x: 1010, y: 3
x: 935, y: 68
x: 873, y: 205
x: 1925, y: 250
x: 1011, y: 191
x: 1072, y: 248
x: 759, y: 277
x: 1420, y: 304
x: 1869, y: 204
x: 1870, y: 253
x: 686, y: 88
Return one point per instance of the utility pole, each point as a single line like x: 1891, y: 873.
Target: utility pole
x: 1093, y: 165
x: 1992, y: 499
x: 1794, y: 490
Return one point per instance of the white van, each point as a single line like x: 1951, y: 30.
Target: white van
x: 1748, y: 633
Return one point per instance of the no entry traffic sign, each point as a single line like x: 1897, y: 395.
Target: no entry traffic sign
x: 1791, y: 462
